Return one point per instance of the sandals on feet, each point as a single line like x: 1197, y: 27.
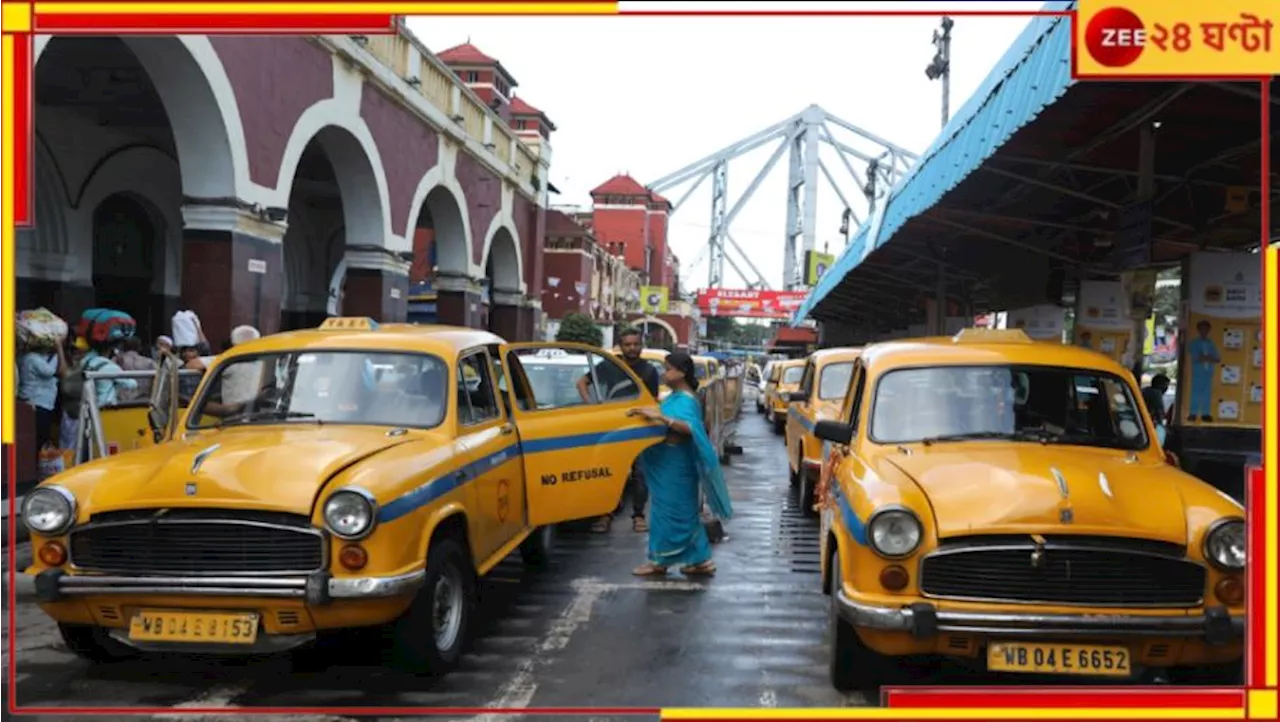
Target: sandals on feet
x: 601, y: 525
x: 639, y: 524
x: 705, y: 569
x: 649, y: 569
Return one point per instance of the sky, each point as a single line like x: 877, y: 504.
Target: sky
x: 650, y: 95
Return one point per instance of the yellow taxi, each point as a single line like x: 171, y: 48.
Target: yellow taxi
x: 788, y: 374
x: 823, y: 385
x: 349, y: 476
x: 1004, y: 501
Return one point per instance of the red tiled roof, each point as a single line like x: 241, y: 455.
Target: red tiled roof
x: 519, y: 106
x: 620, y: 185
x: 466, y: 53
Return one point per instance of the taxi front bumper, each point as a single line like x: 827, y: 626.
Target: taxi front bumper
x: 923, y: 620
x: 320, y: 588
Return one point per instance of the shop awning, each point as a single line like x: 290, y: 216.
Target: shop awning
x: 1034, y: 73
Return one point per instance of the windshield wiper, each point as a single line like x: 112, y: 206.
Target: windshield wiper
x: 269, y: 414
x: 986, y: 435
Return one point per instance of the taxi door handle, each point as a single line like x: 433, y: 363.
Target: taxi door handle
x: 508, y: 430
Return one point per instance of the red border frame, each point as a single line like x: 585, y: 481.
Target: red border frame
x: 1023, y: 698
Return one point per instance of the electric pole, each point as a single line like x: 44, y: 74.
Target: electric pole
x: 940, y: 67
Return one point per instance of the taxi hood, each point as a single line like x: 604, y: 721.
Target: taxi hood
x: 1018, y: 488
x: 268, y: 468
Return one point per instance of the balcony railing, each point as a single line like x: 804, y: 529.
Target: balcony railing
x: 411, y: 60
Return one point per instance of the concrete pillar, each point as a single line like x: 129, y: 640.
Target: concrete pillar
x: 376, y: 286
x: 232, y: 270
x: 458, y: 301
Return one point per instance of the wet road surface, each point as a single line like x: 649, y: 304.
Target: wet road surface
x: 583, y: 631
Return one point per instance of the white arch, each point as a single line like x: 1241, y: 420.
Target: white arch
x: 644, y: 320
x: 441, y: 194
x: 202, y: 110
x: 362, y: 180
x: 508, y: 270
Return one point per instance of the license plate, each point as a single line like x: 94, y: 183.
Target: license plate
x: 1058, y: 659
x: 151, y: 625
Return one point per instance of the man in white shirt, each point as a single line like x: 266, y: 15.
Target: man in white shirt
x: 241, y: 381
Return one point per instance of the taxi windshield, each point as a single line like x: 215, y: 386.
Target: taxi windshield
x: 327, y: 387
x: 1043, y: 404
x: 835, y: 381
x: 793, y: 375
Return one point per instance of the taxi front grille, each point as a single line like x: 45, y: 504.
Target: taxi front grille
x: 192, y: 545
x: 1062, y: 573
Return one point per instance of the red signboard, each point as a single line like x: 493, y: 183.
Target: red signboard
x: 749, y: 304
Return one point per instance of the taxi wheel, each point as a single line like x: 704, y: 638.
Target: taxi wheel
x: 805, y: 492
x: 853, y: 666
x: 536, y: 550
x: 432, y: 634
x: 779, y: 425
x: 94, y: 643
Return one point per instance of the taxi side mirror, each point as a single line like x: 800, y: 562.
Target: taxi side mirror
x: 795, y: 396
x: 834, y: 431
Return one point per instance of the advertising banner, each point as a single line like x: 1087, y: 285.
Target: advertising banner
x: 1221, y: 364
x: 1102, y: 319
x: 749, y: 303
x: 815, y: 265
x: 654, y: 299
x: 1040, y: 323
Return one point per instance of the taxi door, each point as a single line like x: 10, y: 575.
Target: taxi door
x: 162, y: 408
x: 576, y: 438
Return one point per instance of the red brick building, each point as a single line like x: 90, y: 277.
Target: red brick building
x: 626, y: 213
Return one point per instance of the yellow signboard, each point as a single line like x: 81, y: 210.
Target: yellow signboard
x: 815, y: 265
x: 1222, y: 354
x: 654, y: 299
x: 1176, y: 38
x: 1102, y: 320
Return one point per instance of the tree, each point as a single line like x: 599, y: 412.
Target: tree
x: 580, y: 328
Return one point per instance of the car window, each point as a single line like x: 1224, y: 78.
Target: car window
x: 499, y: 377
x: 1018, y: 402
x: 834, y: 383
x: 792, y: 375
x: 559, y: 378
x: 859, y: 394
x: 806, y: 379
x: 332, y: 387
x: 477, y: 402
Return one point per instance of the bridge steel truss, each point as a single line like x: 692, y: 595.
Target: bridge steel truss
x: 801, y: 137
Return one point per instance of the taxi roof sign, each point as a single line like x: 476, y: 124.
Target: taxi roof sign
x: 349, y: 323
x: 992, y: 335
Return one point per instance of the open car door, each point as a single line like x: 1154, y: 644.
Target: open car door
x: 162, y: 411
x: 570, y: 403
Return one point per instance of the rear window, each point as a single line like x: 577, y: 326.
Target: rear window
x: 793, y: 375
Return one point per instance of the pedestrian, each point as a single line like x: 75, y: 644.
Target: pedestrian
x: 677, y: 470
x: 241, y: 381
x: 164, y: 345
x: 1153, y: 397
x: 631, y: 344
x: 130, y: 358
x: 39, y: 371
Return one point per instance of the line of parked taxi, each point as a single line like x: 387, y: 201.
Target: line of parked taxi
x: 1005, y: 503
x: 355, y: 475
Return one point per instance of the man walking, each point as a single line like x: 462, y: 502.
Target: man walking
x: 630, y: 343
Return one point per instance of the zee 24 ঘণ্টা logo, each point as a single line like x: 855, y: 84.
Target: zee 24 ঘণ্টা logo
x: 1116, y: 37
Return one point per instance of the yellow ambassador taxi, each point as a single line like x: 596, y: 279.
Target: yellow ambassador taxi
x: 1005, y: 502
x: 788, y: 373
x: 823, y: 386
x: 348, y: 476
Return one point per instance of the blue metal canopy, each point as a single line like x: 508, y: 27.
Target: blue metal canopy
x: 1032, y: 75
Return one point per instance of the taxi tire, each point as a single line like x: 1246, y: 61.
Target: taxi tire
x: 779, y: 425
x: 413, y: 644
x: 95, y: 644
x: 536, y: 550
x: 806, y: 491
x: 853, y: 666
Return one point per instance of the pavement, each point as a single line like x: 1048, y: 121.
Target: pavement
x: 582, y: 632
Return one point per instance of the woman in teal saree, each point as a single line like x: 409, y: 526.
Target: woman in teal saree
x: 677, y: 470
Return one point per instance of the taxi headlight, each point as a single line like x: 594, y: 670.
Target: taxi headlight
x: 49, y: 510
x: 1225, y: 546
x: 894, y: 532
x: 350, y: 513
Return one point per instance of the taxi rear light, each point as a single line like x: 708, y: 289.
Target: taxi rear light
x: 353, y: 557
x: 53, y: 554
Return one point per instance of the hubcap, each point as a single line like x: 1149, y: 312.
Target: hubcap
x: 446, y: 608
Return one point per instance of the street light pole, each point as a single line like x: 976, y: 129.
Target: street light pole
x: 940, y: 66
